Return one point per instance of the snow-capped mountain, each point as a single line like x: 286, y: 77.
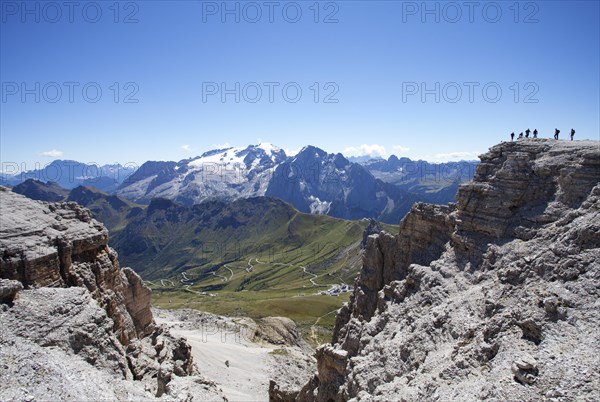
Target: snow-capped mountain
x: 313, y: 181
x: 228, y: 173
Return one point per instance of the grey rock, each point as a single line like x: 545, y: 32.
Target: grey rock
x: 373, y: 227
x: 9, y: 289
x: 279, y: 331
x: 494, y: 298
x: 72, y: 309
x: 525, y: 369
x: 68, y: 319
x: 59, y: 244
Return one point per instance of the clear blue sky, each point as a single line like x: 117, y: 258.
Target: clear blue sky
x: 372, y: 56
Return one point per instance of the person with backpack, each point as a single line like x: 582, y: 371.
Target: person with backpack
x: 572, y: 134
x: 521, y: 135
x: 527, y: 133
x: 535, y: 133
x: 556, y: 132
x: 512, y: 136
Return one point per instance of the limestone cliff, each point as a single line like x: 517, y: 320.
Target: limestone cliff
x: 494, y: 298
x: 67, y: 303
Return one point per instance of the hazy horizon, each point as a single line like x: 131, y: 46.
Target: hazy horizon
x: 9, y: 167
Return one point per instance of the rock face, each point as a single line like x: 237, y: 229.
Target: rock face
x: 279, y: 331
x: 373, y: 227
x: 9, y: 289
x: 317, y: 182
x: 65, y: 298
x: 494, y: 298
x: 60, y: 245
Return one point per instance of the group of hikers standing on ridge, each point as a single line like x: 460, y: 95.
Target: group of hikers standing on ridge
x: 535, y: 134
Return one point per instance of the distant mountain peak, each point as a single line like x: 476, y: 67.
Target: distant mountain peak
x: 214, y: 152
x: 268, y: 147
x: 310, y: 151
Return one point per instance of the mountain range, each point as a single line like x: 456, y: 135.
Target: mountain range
x: 313, y: 181
x: 224, y: 174
x: 70, y: 174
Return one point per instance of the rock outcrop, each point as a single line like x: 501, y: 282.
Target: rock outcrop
x: 494, y: 298
x: 373, y: 227
x: 8, y: 290
x: 60, y: 245
x: 67, y: 301
x: 279, y: 331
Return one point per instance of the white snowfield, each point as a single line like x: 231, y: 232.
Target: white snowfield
x: 230, y: 173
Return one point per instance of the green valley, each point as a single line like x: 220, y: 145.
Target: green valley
x: 257, y: 257
x: 253, y: 257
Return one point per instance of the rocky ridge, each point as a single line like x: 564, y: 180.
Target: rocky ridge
x: 494, y: 298
x: 75, y: 325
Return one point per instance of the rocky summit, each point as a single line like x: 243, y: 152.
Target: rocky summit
x: 495, y: 298
x: 76, y: 326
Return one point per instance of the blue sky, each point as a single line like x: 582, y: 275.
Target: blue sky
x: 395, y: 69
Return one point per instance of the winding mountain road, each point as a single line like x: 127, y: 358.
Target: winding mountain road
x: 220, y: 276
x: 187, y: 281
x: 230, y: 270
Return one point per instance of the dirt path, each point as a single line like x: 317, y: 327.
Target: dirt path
x: 305, y: 270
x: 313, y: 334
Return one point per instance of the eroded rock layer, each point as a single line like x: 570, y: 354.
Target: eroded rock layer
x: 494, y: 298
x: 69, y: 313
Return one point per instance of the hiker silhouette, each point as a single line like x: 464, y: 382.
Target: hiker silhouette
x: 521, y: 135
x: 556, y: 132
x: 572, y: 134
x: 527, y: 133
x: 535, y: 133
x: 512, y: 136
